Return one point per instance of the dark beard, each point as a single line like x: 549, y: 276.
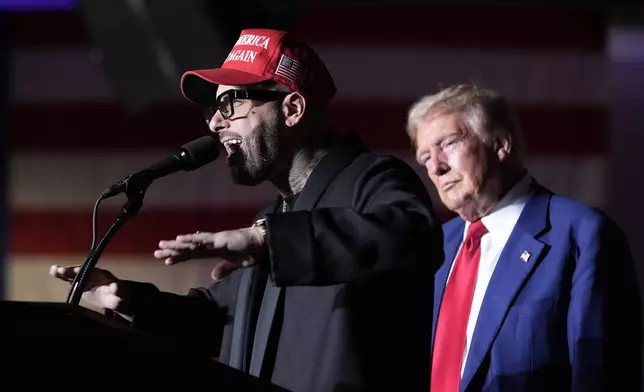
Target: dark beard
x: 255, y: 161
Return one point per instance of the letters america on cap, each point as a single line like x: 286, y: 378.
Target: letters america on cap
x: 260, y: 55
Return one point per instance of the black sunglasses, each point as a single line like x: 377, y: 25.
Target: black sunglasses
x: 225, y: 101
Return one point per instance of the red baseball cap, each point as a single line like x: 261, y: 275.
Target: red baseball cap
x: 260, y: 55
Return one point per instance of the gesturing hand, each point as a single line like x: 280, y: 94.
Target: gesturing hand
x: 103, y: 290
x: 231, y: 249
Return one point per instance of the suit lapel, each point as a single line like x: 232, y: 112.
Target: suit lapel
x: 326, y: 170
x: 240, y: 325
x: 265, y: 319
x: 245, y: 299
x: 519, y: 257
x: 452, y: 242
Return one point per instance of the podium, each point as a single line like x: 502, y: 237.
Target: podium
x: 65, y: 347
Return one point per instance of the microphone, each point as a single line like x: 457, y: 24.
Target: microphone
x: 190, y: 156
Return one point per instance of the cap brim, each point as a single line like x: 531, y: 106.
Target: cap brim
x: 200, y: 86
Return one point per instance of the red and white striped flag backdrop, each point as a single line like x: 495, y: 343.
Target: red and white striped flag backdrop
x: 70, y: 138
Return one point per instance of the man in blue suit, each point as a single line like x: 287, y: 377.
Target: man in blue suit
x: 537, y: 292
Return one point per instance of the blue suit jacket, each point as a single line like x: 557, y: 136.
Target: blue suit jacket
x: 568, y: 318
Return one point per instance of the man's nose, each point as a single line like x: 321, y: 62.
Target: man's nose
x: 437, y: 166
x: 218, y: 123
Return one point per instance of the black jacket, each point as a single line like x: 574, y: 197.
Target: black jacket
x: 344, y: 302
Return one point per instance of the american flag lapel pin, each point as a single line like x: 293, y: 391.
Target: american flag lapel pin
x: 525, y: 256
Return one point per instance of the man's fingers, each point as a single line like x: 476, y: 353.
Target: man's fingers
x: 96, y: 277
x: 111, y: 301
x: 109, y: 298
x: 52, y: 270
x: 177, y: 248
x: 165, y: 253
x: 198, y: 246
x: 180, y: 258
x: 178, y: 245
x: 196, y: 237
x: 64, y: 273
x: 172, y: 256
x: 222, y: 269
x: 175, y: 256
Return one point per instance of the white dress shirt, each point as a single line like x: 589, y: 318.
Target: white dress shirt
x: 499, y: 223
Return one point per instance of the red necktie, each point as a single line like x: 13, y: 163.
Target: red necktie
x: 451, y: 328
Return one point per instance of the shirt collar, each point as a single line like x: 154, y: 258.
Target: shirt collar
x: 506, y: 211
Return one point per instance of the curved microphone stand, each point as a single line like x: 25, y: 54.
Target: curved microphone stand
x: 136, y: 187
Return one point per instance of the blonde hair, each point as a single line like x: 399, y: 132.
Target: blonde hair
x: 485, y: 112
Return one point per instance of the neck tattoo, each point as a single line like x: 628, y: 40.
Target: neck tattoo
x: 301, y: 171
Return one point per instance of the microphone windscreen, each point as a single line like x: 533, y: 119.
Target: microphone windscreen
x: 201, y: 151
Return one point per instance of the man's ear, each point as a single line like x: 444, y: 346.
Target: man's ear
x: 293, y: 107
x: 503, y: 145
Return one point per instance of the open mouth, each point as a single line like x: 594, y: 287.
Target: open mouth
x: 232, y: 145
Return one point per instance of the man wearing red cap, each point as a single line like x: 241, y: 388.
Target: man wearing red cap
x: 328, y: 289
